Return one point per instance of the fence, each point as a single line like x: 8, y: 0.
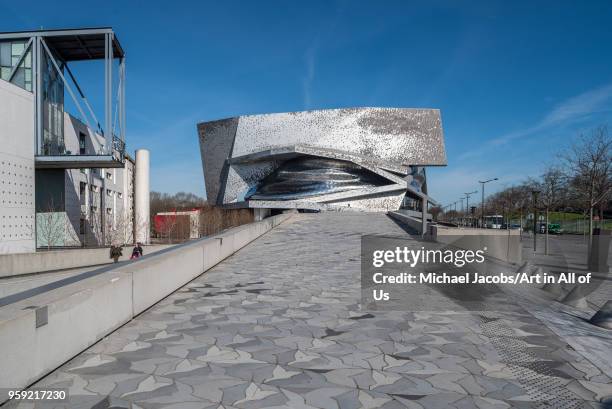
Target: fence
x: 180, y: 226
x: 581, y: 226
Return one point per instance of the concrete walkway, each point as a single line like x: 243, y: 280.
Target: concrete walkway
x: 278, y: 325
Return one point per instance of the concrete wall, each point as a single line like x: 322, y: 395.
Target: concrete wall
x: 73, y: 317
x: 414, y: 223
x: 78, y: 315
x: 504, y: 245
x: 16, y: 169
x: 501, y: 244
x: 42, y: 261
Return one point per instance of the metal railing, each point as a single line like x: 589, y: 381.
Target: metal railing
x: 118, y: 148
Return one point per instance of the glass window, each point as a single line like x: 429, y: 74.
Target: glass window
x: 82, y: 145
x: 19, y: 78
x: 18, y: 48
x: 5, y: 54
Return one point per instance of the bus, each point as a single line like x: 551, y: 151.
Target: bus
x: 493, y: 222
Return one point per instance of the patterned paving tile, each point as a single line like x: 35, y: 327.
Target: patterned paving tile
x: 278, y: 325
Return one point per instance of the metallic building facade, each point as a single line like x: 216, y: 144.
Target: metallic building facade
x: 352, y: 158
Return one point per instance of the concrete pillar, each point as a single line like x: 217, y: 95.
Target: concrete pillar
x: 142, y: 215
x: 260, y: 214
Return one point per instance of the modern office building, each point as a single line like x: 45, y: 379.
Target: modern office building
x: 65, y: 178
x: 369, y: 159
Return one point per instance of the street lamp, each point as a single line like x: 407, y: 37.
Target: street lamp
x: 467, y: 200
x: 534, y: 194
x: 482, y: 183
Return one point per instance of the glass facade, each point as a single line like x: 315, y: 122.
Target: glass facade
x: 10, y: 54
x: 53, y: 109
x: 412, y: 202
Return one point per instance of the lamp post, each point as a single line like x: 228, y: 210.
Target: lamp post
x: 482, y: 183
x: 534, y: 194
x: 467, y: 200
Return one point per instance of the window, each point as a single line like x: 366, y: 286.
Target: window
x: 82, y: 189
x: 109, y: 192
x: 10, y: 53
x: 82, y: 145
x: 109, y: 175
x: 120, y: 195
x: 82, y: 226
x: 94, y: 209
x: 109, y: 210
x: 5, y: 59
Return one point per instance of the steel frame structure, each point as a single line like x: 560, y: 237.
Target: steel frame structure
x: 37, y: 43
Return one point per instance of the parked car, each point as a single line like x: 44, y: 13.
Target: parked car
x: 553, y: 228
x: 512, y: 226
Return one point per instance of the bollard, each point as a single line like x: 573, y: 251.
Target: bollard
x: 603, y: 317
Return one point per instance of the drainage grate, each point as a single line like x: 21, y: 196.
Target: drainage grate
x: 538, y: 377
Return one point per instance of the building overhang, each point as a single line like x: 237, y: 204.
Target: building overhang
x: 73, y: 44
x: 77, y: 162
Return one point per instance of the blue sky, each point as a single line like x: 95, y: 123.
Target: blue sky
x: 514, y: 80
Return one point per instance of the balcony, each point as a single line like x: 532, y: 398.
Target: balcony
x: 66, y: 160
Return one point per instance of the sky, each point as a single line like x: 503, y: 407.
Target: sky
x: 515, y: 81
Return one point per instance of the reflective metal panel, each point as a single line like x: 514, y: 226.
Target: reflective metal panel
x: 310, y: 176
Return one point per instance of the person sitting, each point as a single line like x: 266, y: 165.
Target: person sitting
x: 135, y: 253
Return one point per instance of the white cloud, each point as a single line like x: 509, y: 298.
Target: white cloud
x: 571, y: 110
x: 579, y: 106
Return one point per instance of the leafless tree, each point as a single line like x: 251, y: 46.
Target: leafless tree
x: 166, y: 225
x: 120, y: 233
x: 53, y: 229
x: 588, y: 163
x: 435, y: 212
